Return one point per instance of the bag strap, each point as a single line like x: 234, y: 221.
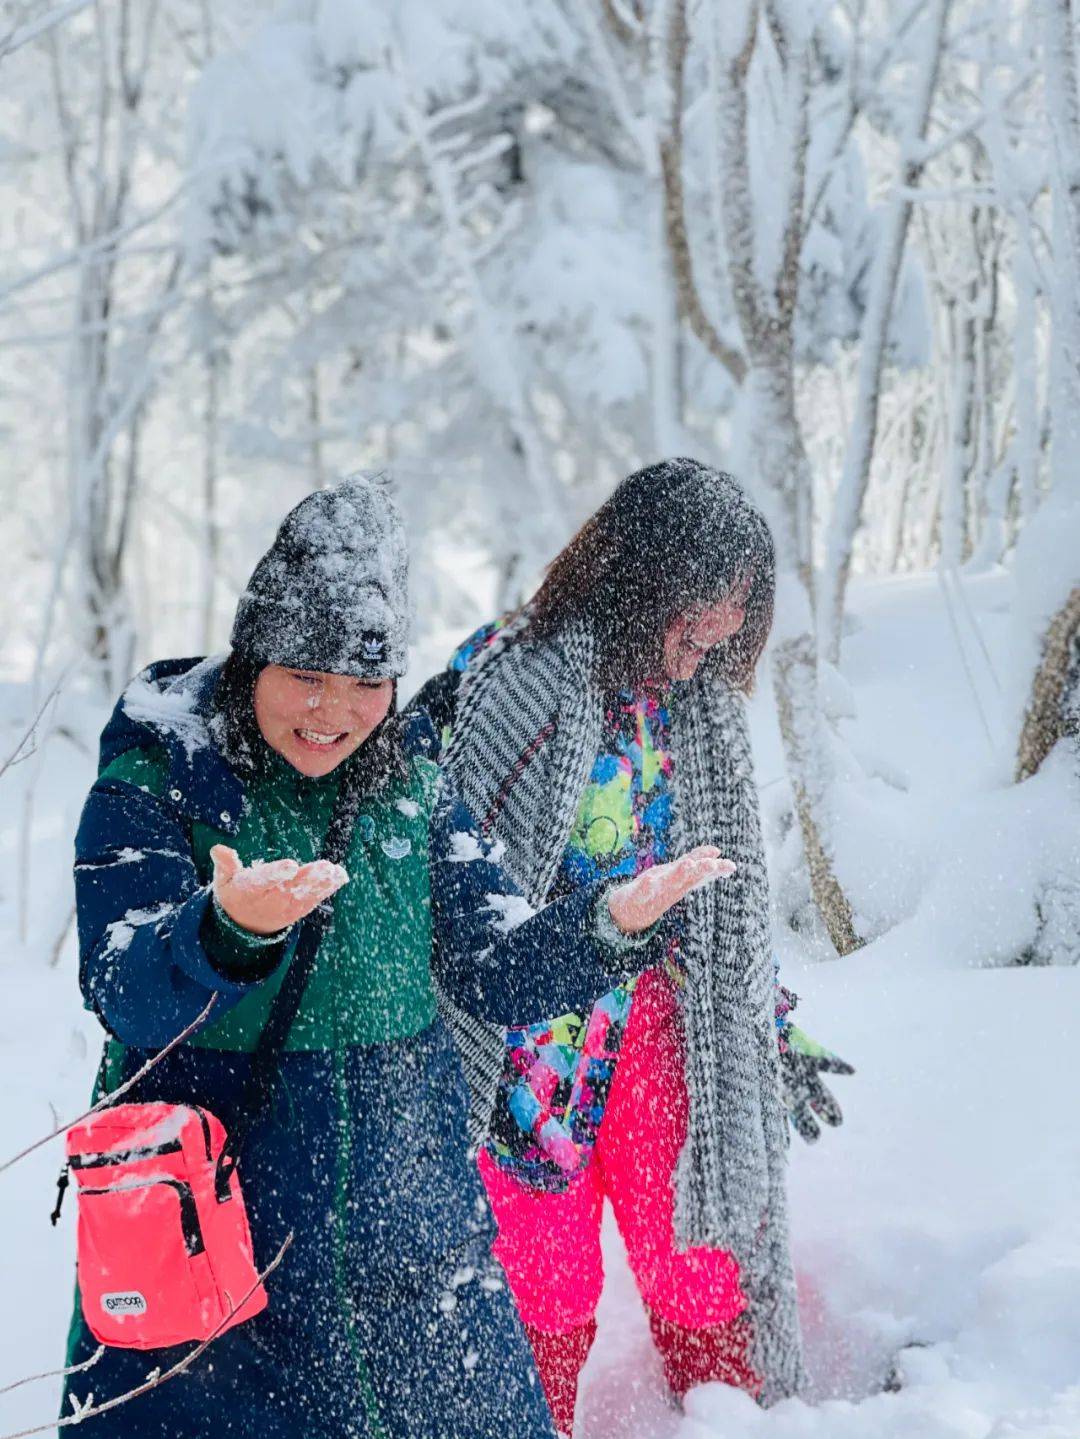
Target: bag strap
x: 258, y: 1090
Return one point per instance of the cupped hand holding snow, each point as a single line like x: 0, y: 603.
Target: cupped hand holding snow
x: 268, y: 896
x: 644, y: 900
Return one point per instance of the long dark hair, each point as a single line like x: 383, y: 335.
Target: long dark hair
x: 235, y: 730
x: 672, y: 536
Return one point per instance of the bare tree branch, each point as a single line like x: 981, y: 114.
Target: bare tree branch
x: 156, y: 1379
x: 851, y: 494
x: 100, y: 244
x: 57, y: 1373
x: 16, y: 756
x: 34, y: 29
x: 671, y: 160
x: 109, y: 1099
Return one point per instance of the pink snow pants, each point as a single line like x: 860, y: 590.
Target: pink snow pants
x: 549, y: 1244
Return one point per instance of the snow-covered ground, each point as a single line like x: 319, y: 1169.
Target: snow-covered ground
x: 944, y: 1213
x: 936, y: 1230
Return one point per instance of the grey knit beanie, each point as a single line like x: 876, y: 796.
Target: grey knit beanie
x: 331, y: 593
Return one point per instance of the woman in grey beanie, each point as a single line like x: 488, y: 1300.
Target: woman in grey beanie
x: 198, y: 861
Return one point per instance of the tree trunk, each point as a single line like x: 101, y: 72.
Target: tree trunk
x: 1045, y: 719
x: 847, y: 510
x: 691, y: 305
x: 961, y: 434
x: 211, y: 543
x: 802, y: 729
x: 1026, y: 382
x: 316, y: 470
x: 775, y: 451
x: 1063, y: 103
x: 772, y: 452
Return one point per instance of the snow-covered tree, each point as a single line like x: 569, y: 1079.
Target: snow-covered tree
x: 511, y: 254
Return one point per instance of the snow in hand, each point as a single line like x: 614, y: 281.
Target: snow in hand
x: 642, y: 901
x: 320, y: 875
x: 935, y: 1231
x: 698, y: 870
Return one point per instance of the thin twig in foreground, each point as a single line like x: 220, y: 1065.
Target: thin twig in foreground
x: 154, y: 1382
x: 16, y: 755
x: 57, y: 1373
x: 107, y: 1099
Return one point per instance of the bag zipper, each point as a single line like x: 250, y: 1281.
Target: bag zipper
x: 99, y: 1160
x: 189, y: 1214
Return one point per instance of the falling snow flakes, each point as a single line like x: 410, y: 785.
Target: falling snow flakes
x: 512, y: 910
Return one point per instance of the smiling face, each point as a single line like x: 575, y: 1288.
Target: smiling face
x: 316, y: 720
x: 691, y: 636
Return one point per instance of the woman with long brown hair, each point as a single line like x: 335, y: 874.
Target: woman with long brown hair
x: 594, y: 733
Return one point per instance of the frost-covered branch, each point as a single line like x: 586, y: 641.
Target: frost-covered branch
x: 671, y: 158
x: 794, y: 51
x: 34, y: 29
x: 110, y: 1099
x: 64, y: 1373
x: 848, y: 503
x: 934, y: 149
x: 731, y: 110
x: 87, y: 1409
x: 498, y: 356
x: 612, y: 77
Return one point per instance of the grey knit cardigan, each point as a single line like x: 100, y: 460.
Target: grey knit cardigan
x: 527, y: 729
